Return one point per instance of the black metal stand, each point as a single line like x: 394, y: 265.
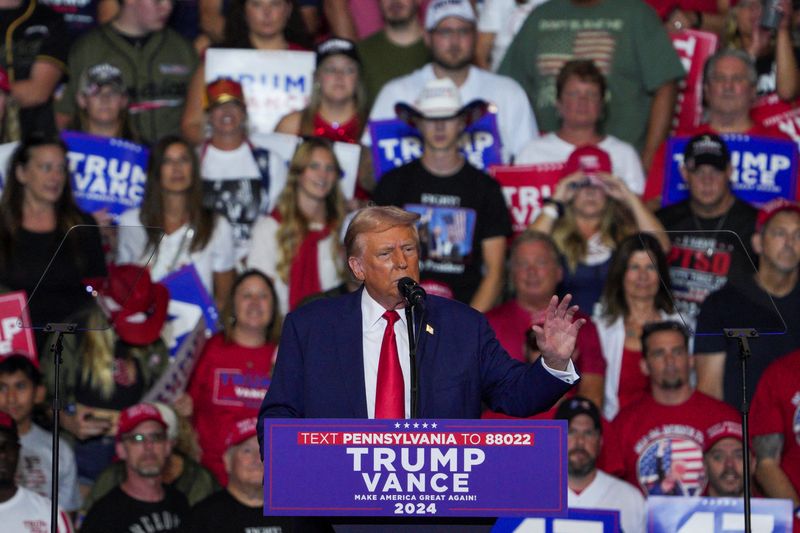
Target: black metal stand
x: 56, y: 348
x: 742, y: 335
x: 413, y: 339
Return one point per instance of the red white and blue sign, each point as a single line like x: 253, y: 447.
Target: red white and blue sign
x: 105, y: 173
x: 577, y: 520
x: 395, y: 143
x: 763, y: 169
x: 412, y: 468
x: 669, y: 514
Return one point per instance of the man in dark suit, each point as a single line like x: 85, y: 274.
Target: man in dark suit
x: 331, y: 355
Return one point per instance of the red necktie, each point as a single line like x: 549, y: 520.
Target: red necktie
x: 390, y: 393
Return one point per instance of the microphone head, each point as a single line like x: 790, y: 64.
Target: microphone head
x: 410, y: 290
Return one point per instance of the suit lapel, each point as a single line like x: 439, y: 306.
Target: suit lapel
x: 350, y: 354
x: 428, y: 344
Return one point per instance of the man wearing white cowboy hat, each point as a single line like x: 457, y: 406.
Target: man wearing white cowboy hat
x: 464, y: 219
x: 451, y: 35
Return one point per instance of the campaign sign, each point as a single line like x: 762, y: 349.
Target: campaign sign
x: 275, y: 82
x: 772, y: 112
x: 693, y: 48
x: 395, y: 143
x: 576, y: 521
x: 673, y: 514
x: 189, y: 302
x: 13, y: 337
x: 173, y: 382
x: 477, y: 468
x: 524, y: 188
x: 763, y: 168
x: 106, y: 173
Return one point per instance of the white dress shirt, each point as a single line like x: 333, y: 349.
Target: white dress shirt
x: 373, y: 326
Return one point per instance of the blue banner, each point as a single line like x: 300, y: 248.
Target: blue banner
x: 671, y: 514
x: 188, y: 303
x: 106, y: 173
x: 395, y: 143
x: 577, y: 520
x: 763, y: 168
x: 465, y: 468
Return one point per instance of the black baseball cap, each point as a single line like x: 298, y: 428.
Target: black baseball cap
x: 706, y: 149
x: 334, y: 46
x: 578, y: 405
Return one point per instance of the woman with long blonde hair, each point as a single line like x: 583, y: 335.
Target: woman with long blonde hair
x: 589, y: 214
x: 298, y: 246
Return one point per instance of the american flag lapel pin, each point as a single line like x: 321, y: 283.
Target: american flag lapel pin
x: 429, y: 329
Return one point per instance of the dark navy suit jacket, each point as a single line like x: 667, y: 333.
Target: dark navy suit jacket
x: 319, y: 372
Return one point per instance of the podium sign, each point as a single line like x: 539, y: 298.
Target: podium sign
x: 453, y: 468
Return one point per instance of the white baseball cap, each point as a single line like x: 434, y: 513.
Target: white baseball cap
x: 439, y: 10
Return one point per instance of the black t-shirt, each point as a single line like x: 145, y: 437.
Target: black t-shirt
x: 222, y: 512
x: 118, y: 512
x: 747, y: 306
x: 702, y: 260
x: 456, y: 213
x: 40, y: 35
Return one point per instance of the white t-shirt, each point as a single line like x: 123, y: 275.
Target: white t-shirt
x: 515, y: 120
x: 503, y: 18
x: 608, y: 492
x: 26, y: 511
x: 264, y: 254
x: 36, y: 465
x: 550, y: 148
x: 242, y: 199
x: 173, y: 251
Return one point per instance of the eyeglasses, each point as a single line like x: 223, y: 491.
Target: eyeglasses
x: 140, y: 438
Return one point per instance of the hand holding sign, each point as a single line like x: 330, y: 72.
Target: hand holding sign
x: 557, y: 336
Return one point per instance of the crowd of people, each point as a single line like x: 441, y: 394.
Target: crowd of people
x: 589, y: 87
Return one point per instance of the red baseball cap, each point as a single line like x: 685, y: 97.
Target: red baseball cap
x: 137, y: 306
x: 722, y: 430
x: 590, y: 159
x: 223, y: 90
x: 772, y: 208
x: 135, y: 415
x: 241, y: 431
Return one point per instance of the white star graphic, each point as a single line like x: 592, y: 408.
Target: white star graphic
x: 406, y: 425
x: 433, y: 425
x: 397, y: 424
x: 416, y: 425
x: 424, y: 424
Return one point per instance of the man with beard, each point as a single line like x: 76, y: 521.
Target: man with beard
x: 657, y: 442
x: 723, y: 461
x: 141, y: 502
x: 401, y: 39
x: 590, y: 488
x: 752, y: 303
x: 21, y: 510
x: 451, y: 34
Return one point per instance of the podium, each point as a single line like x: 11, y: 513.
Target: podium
x: 440, y: 470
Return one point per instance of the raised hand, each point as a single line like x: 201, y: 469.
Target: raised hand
x: 557, y: 336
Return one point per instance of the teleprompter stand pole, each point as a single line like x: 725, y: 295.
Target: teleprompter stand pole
x: 742, y: 335
x: 56, y: 348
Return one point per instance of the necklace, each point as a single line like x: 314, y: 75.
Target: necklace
x: 710, y: 250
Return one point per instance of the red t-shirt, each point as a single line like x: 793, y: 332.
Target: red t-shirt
x: 227, y: 385
x: 655, y: 175
x: 510, y: 323
x: 633, y: 385
x: 776, y: 409
x: 659, y: 448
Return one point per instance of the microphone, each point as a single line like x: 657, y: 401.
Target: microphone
x: 411, y: 291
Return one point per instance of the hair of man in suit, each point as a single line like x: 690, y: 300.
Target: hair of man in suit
x: 377, y: 219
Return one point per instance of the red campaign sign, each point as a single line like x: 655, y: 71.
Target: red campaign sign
x: 772, y: 112
x: 524, y: 188
x: 693, y: 48
x: 13, y: 337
